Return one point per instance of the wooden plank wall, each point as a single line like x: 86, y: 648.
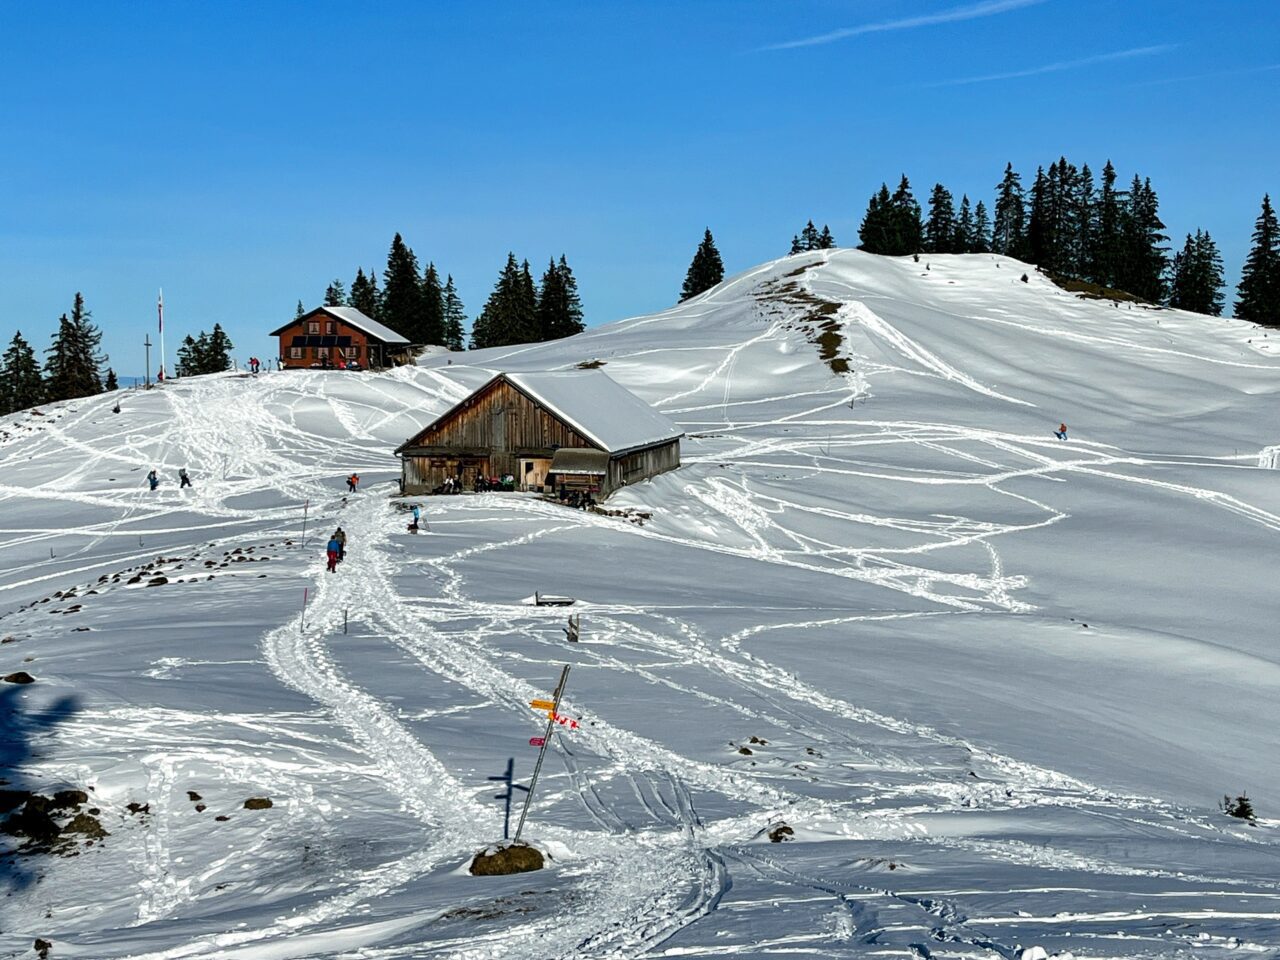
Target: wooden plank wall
x: 641, y: 465
x: 502, y: 418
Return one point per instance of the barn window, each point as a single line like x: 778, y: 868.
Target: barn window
x: 322, y: 353
x: 328, y: 326
x: 295, y: 353
x: 313, y: 326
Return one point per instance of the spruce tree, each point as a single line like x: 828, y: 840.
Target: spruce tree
x: 809, y: 237
x: 432, y: 306
x: 1107, y: 243
x: 559, y: 307
x: 552, y: 305
x: 402, y: 308
x: 876, y: 229
x: 524, y: 319
x: 980, y: 241
x: 1009, y: 229
x: 365, y: 295
x: 497, y: 324
x: 21, y: 385
x: 1039, y: 228
x: 455, y: 317
x: 907, y: 231
x: 110, y: 383
x: 72, y: 367
x: 964, y: 238
x: 1141, y: 270
x: 940, y: 228
x: 300, y: 312
x: 1084, y: 215
x: 825, y: 240
x: 1259, y: 290
x: 188, y: 361
x: 218, y: 352
x: 573, y: 314
x: 335, y: 295
x: 705, y: 271
x: 1195, y: 278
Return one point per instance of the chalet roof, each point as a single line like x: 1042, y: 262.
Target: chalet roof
x: 598, y: 407
x: 592, y: 403
x: 352, y: 317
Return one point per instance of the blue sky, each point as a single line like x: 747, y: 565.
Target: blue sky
x: 242, y: 154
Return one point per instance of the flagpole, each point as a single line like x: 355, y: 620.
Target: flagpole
x: 160, y: 312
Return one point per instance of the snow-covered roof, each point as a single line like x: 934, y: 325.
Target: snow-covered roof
x: 352, y: 317
x: 594, y: 404
x: 609, y: 415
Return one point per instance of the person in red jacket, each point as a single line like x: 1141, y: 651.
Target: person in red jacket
x: 1061, y: 432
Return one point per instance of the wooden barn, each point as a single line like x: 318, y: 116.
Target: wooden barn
x: 577, y: 429
x: 336, y: 336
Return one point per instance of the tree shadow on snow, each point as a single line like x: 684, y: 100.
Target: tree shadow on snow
x: 22, y: 732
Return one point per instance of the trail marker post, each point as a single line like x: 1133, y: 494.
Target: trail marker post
x: 305, y: 507
x: 542, y: 752
x: 302, y: 624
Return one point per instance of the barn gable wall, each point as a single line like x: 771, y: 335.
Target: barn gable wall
x: 501, y: 418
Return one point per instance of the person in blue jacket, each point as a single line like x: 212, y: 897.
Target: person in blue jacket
x: 333, y: 549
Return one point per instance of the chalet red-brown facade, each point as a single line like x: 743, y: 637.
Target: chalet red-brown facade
x: 565, y: 429
x: 337, y: 337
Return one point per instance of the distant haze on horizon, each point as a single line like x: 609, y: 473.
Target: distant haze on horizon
x: 241, y: 156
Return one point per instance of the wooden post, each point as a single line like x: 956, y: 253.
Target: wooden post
x: 344, y: 619
x: 546, y: 740
x: 305, y: 507
x: 302, y: 624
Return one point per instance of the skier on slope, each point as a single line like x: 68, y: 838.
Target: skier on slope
x: 1061, y: 432
x: 153, y: 479
x: 332, y: 551
x: 340, y: 537
x: 183, y: 479
x: 353, y: 481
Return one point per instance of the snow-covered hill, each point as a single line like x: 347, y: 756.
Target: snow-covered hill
x: 993, y: 681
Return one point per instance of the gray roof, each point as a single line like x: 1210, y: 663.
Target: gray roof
x: 575, y: 460
x: 593, y: 403
x: 354, y: 318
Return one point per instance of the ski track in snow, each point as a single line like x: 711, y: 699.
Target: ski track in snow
x: 635, y: 884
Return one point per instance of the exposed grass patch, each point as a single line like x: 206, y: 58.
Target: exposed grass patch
x: 1088, y: 290
x: 818, y: 323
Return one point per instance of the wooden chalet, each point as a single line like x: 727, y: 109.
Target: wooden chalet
x: 336, y: 336
x: 576, y: 429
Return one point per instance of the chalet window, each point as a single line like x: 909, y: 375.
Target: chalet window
x: 322, y: 353
x: 328, y: 326
x: 313, y: 326
x: 353, y: 353
x: 295, y: 353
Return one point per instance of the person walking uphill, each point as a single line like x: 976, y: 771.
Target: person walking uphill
x: 332, y: 551
x: 353, y: 481
x: 153, y: 479
x: 183, y: 479
x: 340, y: 538
x: 1061, y: 432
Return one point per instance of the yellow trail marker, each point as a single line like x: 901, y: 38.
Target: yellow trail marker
x: 542, y: 704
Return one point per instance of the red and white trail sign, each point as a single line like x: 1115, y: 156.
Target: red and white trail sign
x: 537, y: 741
x: 563, y: 720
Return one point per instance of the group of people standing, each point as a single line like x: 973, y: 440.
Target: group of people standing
x: 153, y: 478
